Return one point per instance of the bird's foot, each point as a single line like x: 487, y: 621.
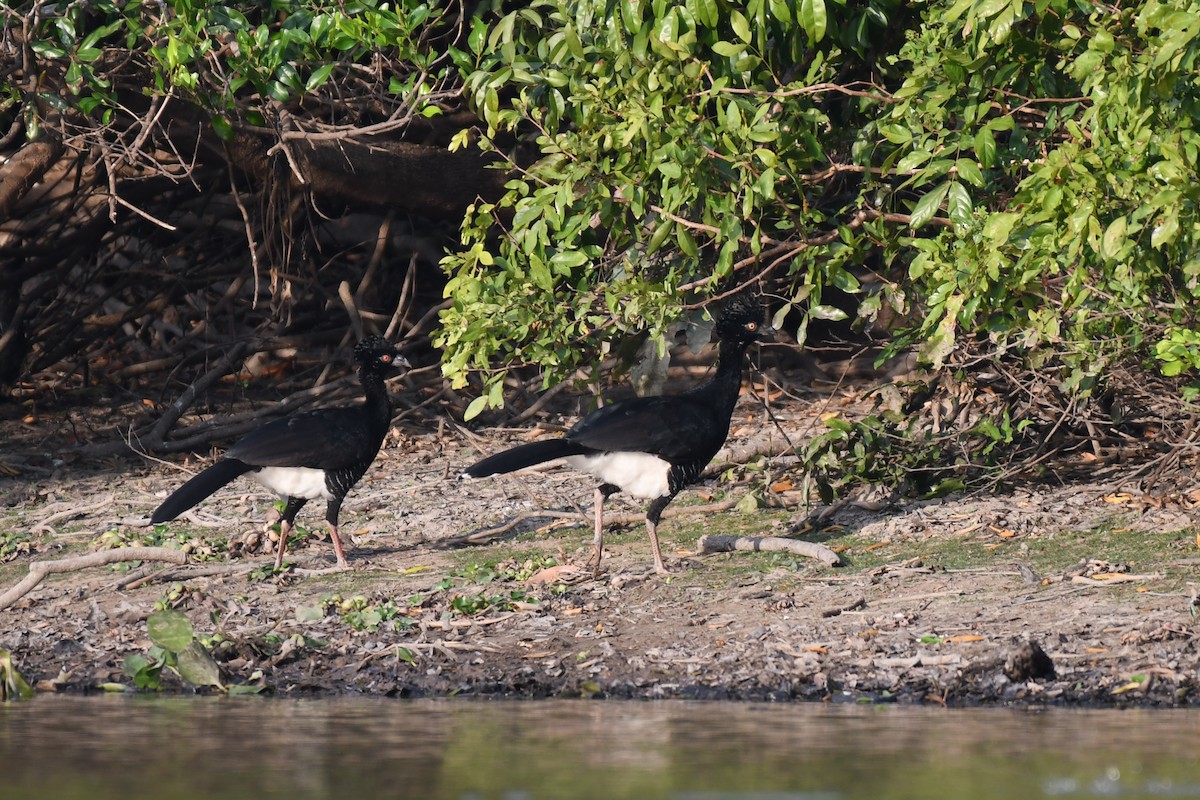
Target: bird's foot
x: 678, y: 567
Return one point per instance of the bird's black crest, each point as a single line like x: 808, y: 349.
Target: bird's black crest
x: 372, y: 348
x: 742, y: 317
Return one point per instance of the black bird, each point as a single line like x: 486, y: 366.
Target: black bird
x: 651, y: 447
x: 318, y: 453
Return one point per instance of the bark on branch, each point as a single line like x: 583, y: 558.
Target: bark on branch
x: 769, y: 544
x: 38, y: 570
x: 23, y: 171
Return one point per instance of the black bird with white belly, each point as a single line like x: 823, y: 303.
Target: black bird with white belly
x: 314, y: 454
x: 650, y: 447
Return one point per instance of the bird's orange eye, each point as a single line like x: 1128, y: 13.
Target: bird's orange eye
x: 751, y: 326
x: 386, y: 359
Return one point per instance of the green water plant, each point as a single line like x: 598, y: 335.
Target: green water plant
x: 12, y: 685
x: 177, y: 649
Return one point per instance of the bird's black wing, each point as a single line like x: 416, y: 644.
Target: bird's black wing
x: 325, y: 438
x: 673, y: 427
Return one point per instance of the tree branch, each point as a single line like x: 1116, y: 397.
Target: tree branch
x: 38, y: 570
x: 768, y: 544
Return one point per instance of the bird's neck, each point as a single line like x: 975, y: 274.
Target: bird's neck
x: 379, y: 406
x: 727, y: 382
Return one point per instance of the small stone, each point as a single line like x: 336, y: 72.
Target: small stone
x: 1028, y: 662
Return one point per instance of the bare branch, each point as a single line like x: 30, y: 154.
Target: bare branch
x: 38, y: 570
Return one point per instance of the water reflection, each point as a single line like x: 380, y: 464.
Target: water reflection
x: 122, y: 747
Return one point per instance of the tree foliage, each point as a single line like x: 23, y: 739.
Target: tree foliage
x: 243, y: 62
x: 1017, y: 173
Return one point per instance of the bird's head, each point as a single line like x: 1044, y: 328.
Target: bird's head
x: 378, y: 354
x: 742, y: 321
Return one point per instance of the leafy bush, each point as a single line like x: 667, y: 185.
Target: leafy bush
x: 1018, y: 173
x: 240, y: 61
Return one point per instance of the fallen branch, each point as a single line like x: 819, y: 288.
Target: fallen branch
x: 769, y: 544
x: 747, y: 452
x: 46, y: 525
x: 38, y: 570
x: 1109, y: 579
x: 145, y: 576
x: 486, y: 535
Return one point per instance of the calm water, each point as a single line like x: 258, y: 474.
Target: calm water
x: 128, y: 748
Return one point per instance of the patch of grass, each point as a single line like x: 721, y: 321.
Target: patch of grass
x: 364, y: 614
x: 1044, y: 553
x: 1143, y: 551
x: 14, y: 544
x: 516, y: 567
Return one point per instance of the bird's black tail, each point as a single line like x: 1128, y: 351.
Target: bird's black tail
x: 198, y: 488
x: 522, y: 456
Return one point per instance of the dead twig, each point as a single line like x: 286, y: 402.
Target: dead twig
x: 75, y: 511
x: 854, y: 605
x: 38, y: 570
x: 158, y: 434
x: 488, y: 534
x: 768, y: 544
x: 145, y: 576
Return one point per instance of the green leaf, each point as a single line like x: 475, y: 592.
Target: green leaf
x: 278, y: 91
x: 475, y: 408
x: 748, y: 504
x: 687, y: 244
x: 928, y: 206
x: 1165, y: 232
x: 969, y: 171
x: 47, y: 50
x: 985, y: 147
x: 741, y: 27
x: 728, y: 49
x: 896, y: 134
x: 733, y: 116
x: 999, y: 226
x: 844, y: 280
x: 478, y: 35
x: 832, y: 313
x: 222, y: 128
x: 668, y: 27
x: 197, y: 667
x: 1114, y: 239
x: 170, y: 630
x: 318, y: 77
x: 958, y: 203
x: 813, y: 18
